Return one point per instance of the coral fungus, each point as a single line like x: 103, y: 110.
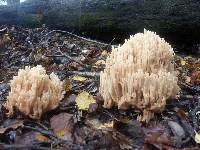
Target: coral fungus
x: 34, y: 92
x: 140, y: 74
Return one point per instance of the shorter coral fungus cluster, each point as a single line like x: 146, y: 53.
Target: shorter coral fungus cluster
x: 140, y: 74
x: 34, y: 92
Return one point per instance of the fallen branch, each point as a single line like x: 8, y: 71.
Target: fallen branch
x: 82, y: 38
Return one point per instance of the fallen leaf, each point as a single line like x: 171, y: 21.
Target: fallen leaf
x: 79, y: 78
x: 31, y: 137
x: 195, y: 78
x: 195, y: 66
x: 177, y: 129
x: 97, y: 124
x: 41, y: 137
x: 106, y: 125
x: 197, y: 137
x: 70, y: 100
x: 187, y: 79
x: 183, y: 62
x: 83, y: 100
x: 63, y: 125
x: 93, y: 123
x: 68, y: 85
x: 93, y: 107
x: 157, y: 135
x: 131, y: 128
x: 100, y: 62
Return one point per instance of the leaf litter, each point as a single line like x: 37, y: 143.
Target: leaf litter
x: 80, y: 121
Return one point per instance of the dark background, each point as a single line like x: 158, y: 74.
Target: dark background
x: 178, y: 21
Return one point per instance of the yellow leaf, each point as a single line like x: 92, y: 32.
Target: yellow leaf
x: 106, y: 125
x: 83, y: 100
x: 183, y: 62
x: 41, y: 137
x: 61, y: 133
x: 79, y: 78
x: 197, y: 138
x: 100, y: 62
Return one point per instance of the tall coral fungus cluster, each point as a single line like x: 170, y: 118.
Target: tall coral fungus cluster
x: 140, y: 74
x: 34, y: 92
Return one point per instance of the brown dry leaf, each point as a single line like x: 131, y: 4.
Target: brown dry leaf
x: 68, y: 85
x: 131, y: 128
x: 93, y: 107
x: 176, y: 129
x: 31, y: 137
x: 41, y: 137
x: 68, y: 100
x: 195, y: 78
x: 83, y: 100
x: 12, y: 125
x: 110, y: 137
x: 158, y: 135
x: 195, y: 66
x: 63, y: 125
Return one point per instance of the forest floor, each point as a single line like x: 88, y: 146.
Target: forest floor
x: 78, y: 61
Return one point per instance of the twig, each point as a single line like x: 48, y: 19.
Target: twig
x: 4, y: 29
x: 194, y: 118
x: 37, y: 123
x: 69, y: 33
x: 4, y: 54
x: 46, y: 133
x: 184, y: 97
x: 110, y: 115
x: 111, y: 41
x: 31, y: 44
x: 85, y: 74
x: 70, y: 58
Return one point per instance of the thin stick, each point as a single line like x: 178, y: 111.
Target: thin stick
x: 85, y: 74
x: 45, y: 132
x: 70, y: 58
x: 69, y: 33
x: 4, y: 29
